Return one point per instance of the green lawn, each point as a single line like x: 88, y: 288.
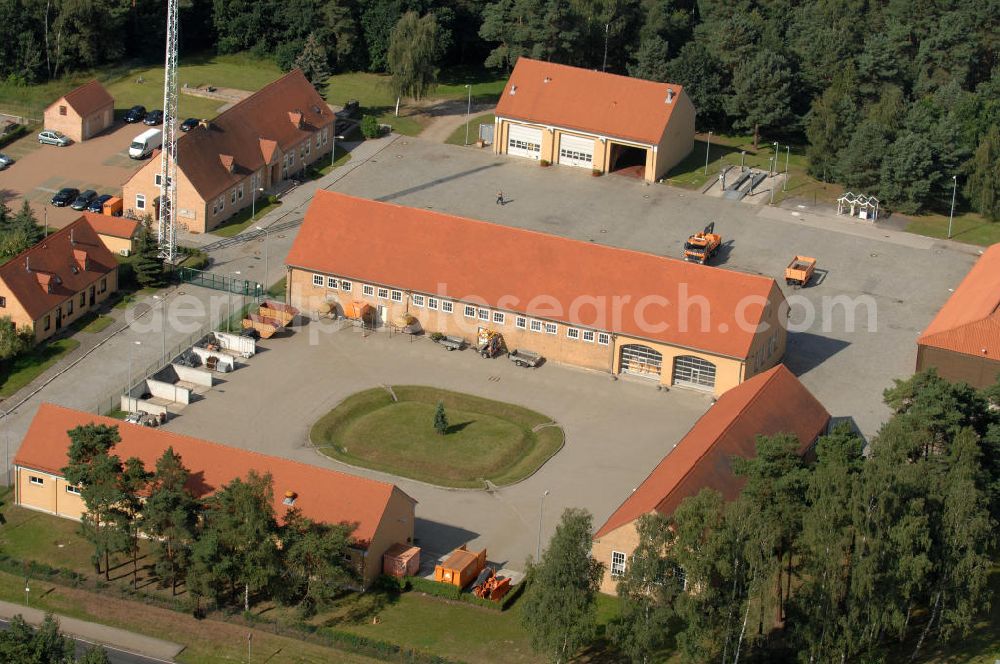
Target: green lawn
x: 25, y: 368
x: 968, y: 227
x: 30, y: 535
x: 93, y: 323
x: 458, y: 136
x: 242, y: 220
x: 486, y: 439
x: 277, y: 289
x: 314, y: 173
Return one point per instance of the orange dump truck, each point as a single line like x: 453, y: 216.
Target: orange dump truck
x: 703, y: 245
x: 461, y: 568
x: 800, y: 270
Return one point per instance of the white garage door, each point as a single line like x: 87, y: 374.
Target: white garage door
x: 576, y: 151
x: 694, y: 372
x: 524, y: 141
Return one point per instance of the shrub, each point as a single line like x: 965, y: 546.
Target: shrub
x: 596, y: 172
x: 370, y: 127
x: 272, y: 199
x: 436, y: 336
x: 543, y: 163
x: 13, y: 135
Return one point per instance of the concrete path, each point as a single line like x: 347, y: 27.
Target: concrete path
x: 451, y: 118
x: 148, y: 648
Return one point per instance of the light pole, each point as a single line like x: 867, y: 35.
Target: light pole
x: 249, y: 642
x: 541, y: 508
x: 607, y: 29
x: 951, y: 215
x: 229, y: 302
x: 774, y: 161
x: 253, y: 202
x: 708, y: 145
x: 468, y: 112
x: 265, y: 256
x: 128, y: 388
x: 743, y: 159
x: 784, y: 183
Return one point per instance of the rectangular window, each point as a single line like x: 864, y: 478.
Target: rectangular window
x: 484, y: 314
x: 47, y: 324
x: 588, y: 336
x: 383, y: 293
x: 36, y: 480
x: 447, y: 307
x: 222, y: 203
x: 418, y: 300
x: 551, y: 328
x: 603, y: 338
x: 617, y: 563
x: 397, y: 296
x: 240, y: 192
x: 345, y: 286
x: 498, y: 317
x: 521, y: 322
x: 232, y: 196
x: 308, y: 148
x: 572, y: 333
x: 3, y: 302
x: 69, y: 307
x: 157, y: 179
x: 104, y: 285
x: 73, y: 489
x: 317, y: 141
x: 62, y: 110
x: 140, y: 201
x: 317, y: 280
x: 331, y: 282
x: 83, y: 300
x: 368, y: 290
x: 536, y: 326
x: 432, y: 303
x: 470, y: 311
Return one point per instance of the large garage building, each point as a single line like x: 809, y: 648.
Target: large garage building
x: 593, y: 120
x: 604, y: 308
x: 963, y: 340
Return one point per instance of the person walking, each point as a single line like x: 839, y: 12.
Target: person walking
x: 499, y: 197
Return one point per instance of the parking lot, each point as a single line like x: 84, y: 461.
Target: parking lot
x: 101, y: 163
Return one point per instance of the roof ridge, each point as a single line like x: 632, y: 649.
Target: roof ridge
x: 602, y: 73
x: 257, y: 92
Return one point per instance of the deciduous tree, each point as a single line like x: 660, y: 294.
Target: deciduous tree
x: 412, y: 56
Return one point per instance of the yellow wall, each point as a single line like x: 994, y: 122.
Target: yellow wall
x: 116, y: 244
x: 624, y: 539
x: 76, y: 127
x: 396, y: 527
x: 678, y: 139
x: 22, y: 320
x: 50, y: 497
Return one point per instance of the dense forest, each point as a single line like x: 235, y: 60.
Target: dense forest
x: 894, y: 98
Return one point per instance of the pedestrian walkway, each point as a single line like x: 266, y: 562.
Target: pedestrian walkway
x: 98, y: 634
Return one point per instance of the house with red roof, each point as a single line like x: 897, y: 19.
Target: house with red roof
x: 117, y: 233
x: 770, y: 403
x: 630, y: 313
x: 224, y: 163
x: 381, y: 513
x: 963, y: 340
x: 65, y: 276
x: 593, y: 120
x: 83, y: 113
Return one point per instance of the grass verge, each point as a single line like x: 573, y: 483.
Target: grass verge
x: 93, y: 323
x: 458, y: 136
x: 968, y: 227
x: 240, y: 221
x: 24, y: 368
x: 487, y: 440
x: 315, y: 173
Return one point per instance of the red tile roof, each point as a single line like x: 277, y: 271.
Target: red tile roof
x: 244, y: 132
x: 591, y: 101
x: 578, y: 283
x: 114, y: 226
x: 88, y: 98
x: 323, y: 495
x: 769, y: 403
x: 969, y: 322
x: 52, y: 260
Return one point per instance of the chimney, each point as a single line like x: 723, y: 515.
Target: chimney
x: 27, y: 263
x: 82, y: 259
x: 72, y: 240
x: 670, y: 95
x: 205, y: 123
x: 513, y: 89
x: 296, y: 118
x: 546, y: 79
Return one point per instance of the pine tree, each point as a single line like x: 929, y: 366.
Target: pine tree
x: 440, y: 419
x: 762, y: 93
x: 559, y: 609
x: 983, y: 186
x: 18, y: 231
x: 315, y: 561
x: 134, y: 481
x: 148, y: 265
x: 170, y: 516
x: 313, y: 63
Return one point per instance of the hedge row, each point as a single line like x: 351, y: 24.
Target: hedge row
x: 451, y: 592
x: 13, y: 135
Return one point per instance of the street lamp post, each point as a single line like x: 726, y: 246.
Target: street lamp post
x: 265, y: 256
x: 708, y: 145
x: 541, y: 508
x: 743, y: 159
x: 468, y: 112
x: 784, y: 183
x: 253, y: 202
x: 774, y: 161
x: 229, y: 302
x: 951, y: 215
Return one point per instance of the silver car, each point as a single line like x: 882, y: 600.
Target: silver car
x: 5, y: 161
x: 51, y: 137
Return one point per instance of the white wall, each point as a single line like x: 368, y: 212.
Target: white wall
x: 201, y: 377
x: 168, y: 391
x: 131, y: 405
x: 236, y: 343
x: 223, y: 358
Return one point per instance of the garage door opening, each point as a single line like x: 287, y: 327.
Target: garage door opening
x: 638, y: 360
x: 628, y: 160
x: 690, y: 371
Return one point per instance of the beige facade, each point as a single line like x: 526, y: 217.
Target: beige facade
x: 675, y: 144
x: 61, y: 117
x: 200, y: 215
x: 396, y: 527
x: 614, y: 549
x: 120, y: 246
x: 42, y: 491
x: 600, y: 350
x: 65, y: 313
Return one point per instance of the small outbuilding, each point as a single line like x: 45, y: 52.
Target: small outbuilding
x: 589, y: 119
x: 83, y: 113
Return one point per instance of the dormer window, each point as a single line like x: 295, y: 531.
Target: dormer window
x: 228, y: 162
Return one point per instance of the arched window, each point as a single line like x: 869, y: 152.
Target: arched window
x: 691, y: 371
x: 639, y: 360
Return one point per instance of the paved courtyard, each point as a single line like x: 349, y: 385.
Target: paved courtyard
x: 616, y: 431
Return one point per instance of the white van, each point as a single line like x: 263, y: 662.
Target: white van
x: 144, y: 144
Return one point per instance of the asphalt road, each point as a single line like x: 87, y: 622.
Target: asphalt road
x: 115, y: 655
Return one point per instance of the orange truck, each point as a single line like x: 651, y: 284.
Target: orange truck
x: 702, y: 246
x: 800, y: 270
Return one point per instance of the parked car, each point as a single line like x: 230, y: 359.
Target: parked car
x: 5, y: 161
x: 84, y: 199
x: 65, y: 196
x: 135, y: 114
x: 153, y: 118
x: 190, y: 124
x: 51, y: 137
x: 97, y: 205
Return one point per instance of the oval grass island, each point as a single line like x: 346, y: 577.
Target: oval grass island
x: 484, y: 439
